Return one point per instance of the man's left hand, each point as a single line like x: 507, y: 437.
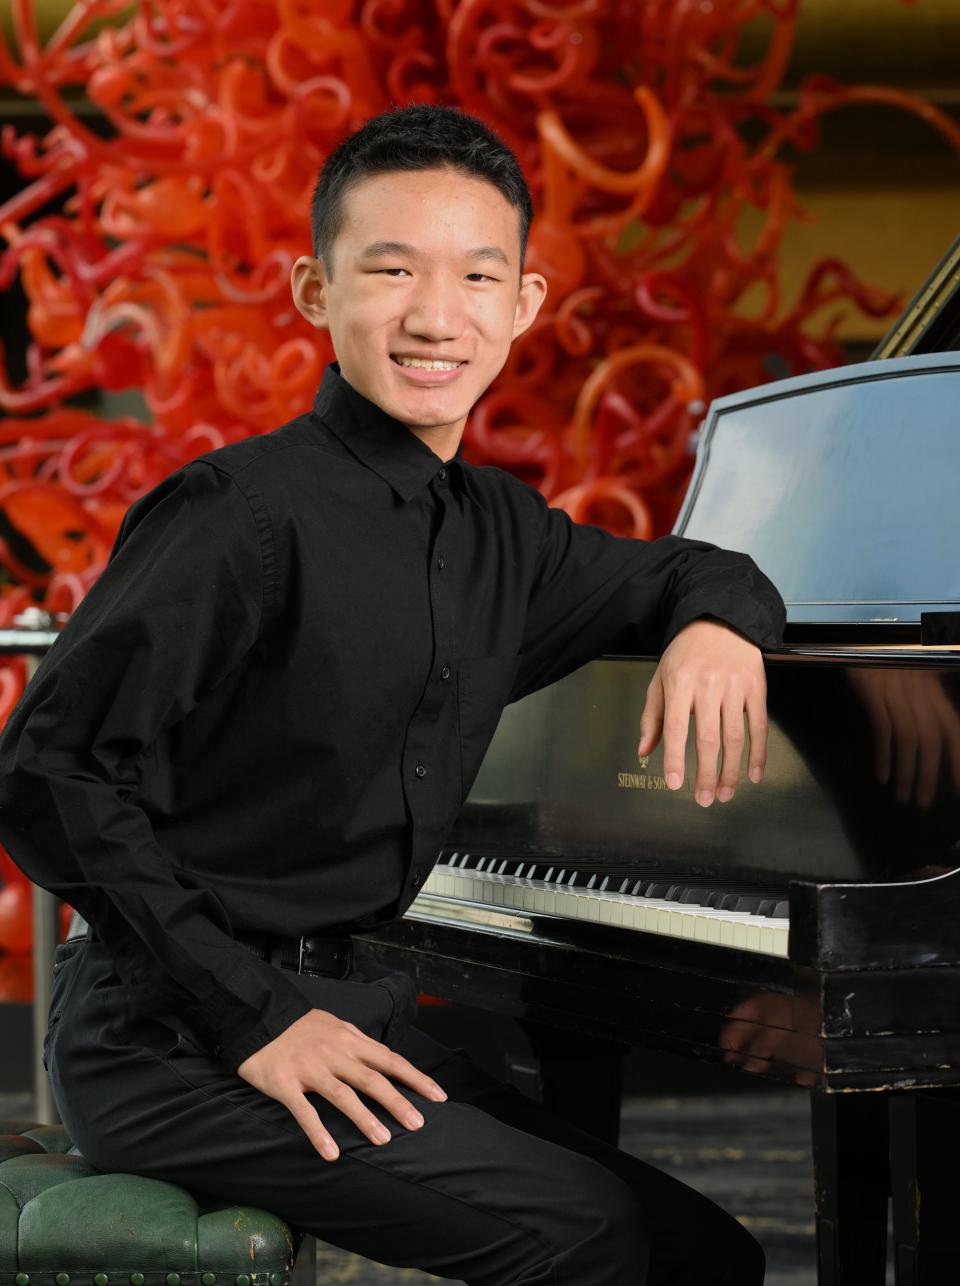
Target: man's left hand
x: 717, y: 674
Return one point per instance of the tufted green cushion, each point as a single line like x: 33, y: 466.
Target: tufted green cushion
x: 65, y: 1223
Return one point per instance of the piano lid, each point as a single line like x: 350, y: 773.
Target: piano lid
x: 842, y: 486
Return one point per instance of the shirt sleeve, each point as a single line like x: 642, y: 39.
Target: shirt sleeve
x: 594, y: 592
x: 176, y: 609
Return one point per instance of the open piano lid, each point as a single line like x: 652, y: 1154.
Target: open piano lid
x: 842, y: 485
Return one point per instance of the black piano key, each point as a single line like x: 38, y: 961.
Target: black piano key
x: 501, y: 870
x: 573, y: 879
x: 675, y: 892
x: 592, y: 881
x: 716, y: 898
x: 624, y: 886
x: 783, y: 910
x: 747, y: 906
x: 657, y: 890
x: 561, y: 876
x: 729, y: 901
x: 767, y: 907
x: 696, y: 896
x: 603, y: 886
x: 637, y: 890
x: 549, y: 875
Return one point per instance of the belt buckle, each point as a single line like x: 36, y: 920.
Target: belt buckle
x: 300, y: 956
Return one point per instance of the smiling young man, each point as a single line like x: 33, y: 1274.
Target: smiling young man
x: 252, y: 737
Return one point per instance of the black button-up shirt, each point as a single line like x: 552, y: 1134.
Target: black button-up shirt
x: 268, y: 709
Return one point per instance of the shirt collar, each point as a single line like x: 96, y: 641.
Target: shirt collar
x: 377, y: 439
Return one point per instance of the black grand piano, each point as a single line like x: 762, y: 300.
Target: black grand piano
x: 809, y: 930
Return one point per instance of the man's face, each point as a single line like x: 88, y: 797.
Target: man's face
x: 437, y: 298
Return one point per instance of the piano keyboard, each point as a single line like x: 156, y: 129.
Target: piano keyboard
x: 747, y: 921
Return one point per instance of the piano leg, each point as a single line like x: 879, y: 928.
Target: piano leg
x: 580, y: 1079
x: 924, y: 1136
x: 850, y: 1160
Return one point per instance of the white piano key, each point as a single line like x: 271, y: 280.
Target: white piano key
x: 743, y: 931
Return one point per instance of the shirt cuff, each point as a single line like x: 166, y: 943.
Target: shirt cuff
x: 232, y: 1046
x: 751, y: 606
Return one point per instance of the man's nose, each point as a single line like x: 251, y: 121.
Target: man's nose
x: 435, y: 311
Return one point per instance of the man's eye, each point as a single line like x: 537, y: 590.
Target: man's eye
x: 470, y: 274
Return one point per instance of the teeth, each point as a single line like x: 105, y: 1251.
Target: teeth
x: 427, y: 366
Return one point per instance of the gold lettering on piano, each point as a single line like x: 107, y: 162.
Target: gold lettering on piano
x: 641, y: 781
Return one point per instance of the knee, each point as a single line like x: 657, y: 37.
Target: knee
x: 606, y: 1216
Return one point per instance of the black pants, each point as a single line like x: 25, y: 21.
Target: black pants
x: 491, y: 1190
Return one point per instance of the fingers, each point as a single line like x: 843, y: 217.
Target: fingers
x: 707, y: 716
x: 732, y: 715
x: 678, y: 702
x: 719, y: 690
x: 651, y: 720
x: 341, y: 1089
x: 376, y: 1086
x: 335, y: 1059
x: 308, y: 1118
x: 396, y: 1066
x: 346, y: 1100
x: 756, y: 707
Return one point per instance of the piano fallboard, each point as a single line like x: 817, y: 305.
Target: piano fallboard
x: 561, y: 781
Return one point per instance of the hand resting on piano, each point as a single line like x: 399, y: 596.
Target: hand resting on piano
x: 711, y: 670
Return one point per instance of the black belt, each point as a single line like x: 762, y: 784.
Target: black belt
x: 308, y: 953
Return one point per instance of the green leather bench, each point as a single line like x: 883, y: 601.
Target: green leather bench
x: 65, y: 1223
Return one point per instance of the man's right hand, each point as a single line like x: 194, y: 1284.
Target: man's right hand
x: 322, y: 1053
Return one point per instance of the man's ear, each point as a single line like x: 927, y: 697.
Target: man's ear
x: 308, y: 285
x: 533, y: 291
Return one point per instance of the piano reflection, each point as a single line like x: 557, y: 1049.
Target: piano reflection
x: 806, y: 931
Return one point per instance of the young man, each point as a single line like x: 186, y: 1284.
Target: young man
x: 252, y: 737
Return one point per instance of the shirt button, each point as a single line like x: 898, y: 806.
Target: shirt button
x: 440, y: 561
x: 442, y: 474
x: 445, y: 672
x: 420, y: 770
x: 415, y: 880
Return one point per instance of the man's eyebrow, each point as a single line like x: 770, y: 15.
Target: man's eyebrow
x: 401, y: 248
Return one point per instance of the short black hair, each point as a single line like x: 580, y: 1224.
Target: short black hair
x: 420, y: 136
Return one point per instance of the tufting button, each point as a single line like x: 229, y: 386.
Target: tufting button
x: 100, y: 1279
x: 172, y: 1279
x: 22, y: 1279
x: 136, y: 1279
x: 242, y: 1279
x: 277, y: 1279
x: 62, y: 1279
x: 208, y: 1279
